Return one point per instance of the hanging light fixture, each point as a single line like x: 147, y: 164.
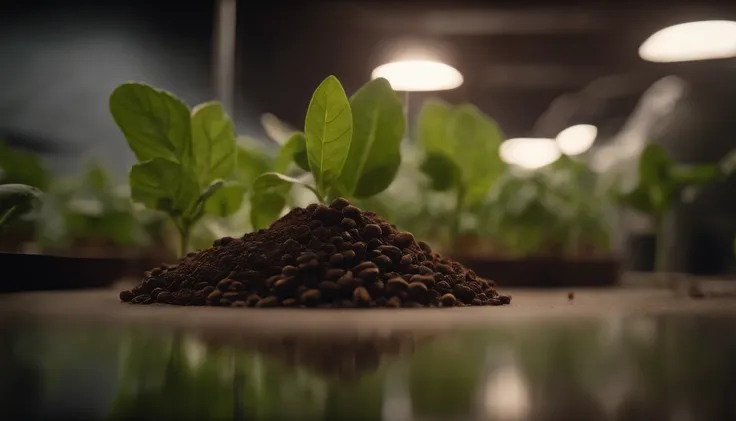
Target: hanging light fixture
x: 576, y: 139
x: 419, y: 75
x: 691, y: 41
x: 530, y: 153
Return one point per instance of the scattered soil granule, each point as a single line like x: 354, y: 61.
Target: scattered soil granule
x: 321, y: 256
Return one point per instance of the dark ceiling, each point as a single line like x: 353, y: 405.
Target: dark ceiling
x: 517, y: 58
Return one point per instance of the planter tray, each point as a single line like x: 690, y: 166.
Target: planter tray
x: 546, y: 273
x: 36, y: 272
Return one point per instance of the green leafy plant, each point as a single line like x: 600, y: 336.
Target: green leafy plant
x: 20, y: 167
x: 17, y: 200
x: 660, y: 185
x: 461, y: 145
x: 94, y: 212
x: 184, y: 157
x: 351, y: 147
x: 557, y: 210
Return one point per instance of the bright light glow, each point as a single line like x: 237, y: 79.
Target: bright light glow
x: 507, y: 394
x: 419, y: 75
x: 691, y: 41
x: 577, y: 139
x: 529, y: 152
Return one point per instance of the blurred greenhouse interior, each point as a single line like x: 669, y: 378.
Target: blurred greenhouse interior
x: 396, y: 172
x: 534, y: 69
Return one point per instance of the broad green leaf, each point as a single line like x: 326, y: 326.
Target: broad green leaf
x: 96, y: 178
x: 155, y: 123
x: 213, y: 142
x: 442, y: 171
x: 20, y: 167
x: 638, y: 199
x: 654, y: 165
x: 265, y: 209
x: 268, y: 197
x: 276, y: 183
x: 252, y: 163
x: 695, y: 175
x: 378, y: 128
x: 294, y: 150
x: 477, y: 139
x: 328, y: 129
x: 163, y: 185
x: 378, y: 178
x: 226, y: 200
x: 16, y: 200
x: 432, y: 127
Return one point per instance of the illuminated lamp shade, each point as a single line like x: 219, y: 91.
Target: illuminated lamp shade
x: 419, y: 75
x: 691, y: 41
x: 577, y: 139
x: 529, y: 152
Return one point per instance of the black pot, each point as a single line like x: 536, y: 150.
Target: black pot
x: 546, y: 273
x: 36, y: 272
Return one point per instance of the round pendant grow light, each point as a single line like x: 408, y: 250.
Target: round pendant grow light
x: 419, y: 75
x: 691, y: 41
x: 577, y: 139
x: 529, y: 152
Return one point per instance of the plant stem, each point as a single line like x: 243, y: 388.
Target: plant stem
x: 183, y: 242
x: 660, y: 250
x: 183, y: 229
x: 455, y: 229
x: 5, y: 216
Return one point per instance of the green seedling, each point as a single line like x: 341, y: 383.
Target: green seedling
x: 661, y: 184
x: 461, y: 146
x: 21, y: 167
x: 17, y: 200
x: 351, y: 147
x: 185, y: 157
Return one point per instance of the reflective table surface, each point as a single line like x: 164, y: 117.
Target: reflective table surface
x: 649, y: 357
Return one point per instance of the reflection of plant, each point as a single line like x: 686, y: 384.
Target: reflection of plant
x: 660, y: 185
x: 179, y: 378
x: 685, y: 360
x: 351, y: 148
x: 184, y: 157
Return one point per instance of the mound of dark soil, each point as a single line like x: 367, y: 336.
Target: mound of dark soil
x: 336, y: 256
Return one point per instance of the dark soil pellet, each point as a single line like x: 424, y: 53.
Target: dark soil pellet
x: 448, y: 300
x: 361, y: 297
x: 334, y: 256
x: 126, y: 296
x: 268, y: 302
x: 165, y: 297
x: 310, y: 298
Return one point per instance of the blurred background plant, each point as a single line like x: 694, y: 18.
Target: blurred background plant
x: 561, y: 210
x: 18, y: 166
